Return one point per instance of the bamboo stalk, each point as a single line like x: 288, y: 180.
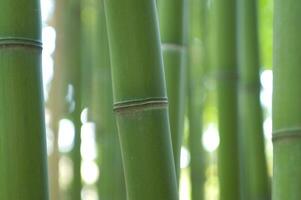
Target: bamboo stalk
x: 111, y: 184
x: 140, y: 100
x: 23, y: 157
x: 56, y: 103
x: 228, y: 163
x: 76, y: 115
x: 196, y: 69
x: 72, y: 61
x: 286, y: 100
x: 172, y: 24
x: 253, y: 177
x: 88, y: 13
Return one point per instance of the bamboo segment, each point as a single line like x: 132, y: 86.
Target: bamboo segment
x: 88, y: 18
x: 56, y: 103
x: 72, y: 61
x: 195, y: 69
x: 140, y: 100
x: 23, y: 168
x: 111, y: 184
x: 253, y: 177
x: 286, y: 101
x: 227, y: 99
x: 197, y: 154
x: 76, y: 114
x: 171, y: 14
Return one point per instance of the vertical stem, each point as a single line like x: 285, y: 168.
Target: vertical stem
x: 172, y: 24
x: 54, y: 189
x: 111, y: 184
x: 56, y: 103
x: 87, y: 13
x: 286, y: 101
x: 23, y: 157
x: 253, y: 177
x: 72, y: 60
x: 195, y: 69
x: 140, y: 100
x: 227, y: 98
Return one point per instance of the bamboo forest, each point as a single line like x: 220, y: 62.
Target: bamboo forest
x: 150, y: 100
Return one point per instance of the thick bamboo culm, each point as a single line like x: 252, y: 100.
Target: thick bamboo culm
x: 23, y: 157
x: 196, y: 89
x: 171, y: 19
x: 253, y: 178
x: 286, y: 101
x: 111, y: 184
x: 140, y: 100
x: 226, y: 66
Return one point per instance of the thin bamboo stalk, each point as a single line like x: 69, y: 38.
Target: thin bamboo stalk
x: 253, y: 177
x: 23, y: 157
x: 171, y: 14
x: 196, y: 89
x: 140, y: 100
x: 72, y: 60
x: 75, y: 68
x: 111, y: 184
x: 228, y: 162
x: 88, y: 18
x: 286, y: 101
x: 56, y: 103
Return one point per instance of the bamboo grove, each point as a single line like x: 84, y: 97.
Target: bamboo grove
x: 149, y: 100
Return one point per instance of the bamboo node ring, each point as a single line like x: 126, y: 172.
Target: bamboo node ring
x: 20, y: 42
x: 286, y: 134
x: 141, y: 104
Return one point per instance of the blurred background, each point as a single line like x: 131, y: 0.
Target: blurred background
x: 91, y: 173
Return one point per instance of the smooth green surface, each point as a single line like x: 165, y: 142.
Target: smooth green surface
x: 135, y: 50
x: 195, y: 68
x: 172, y: 21
x: 174, y: 63
x: 56, y: 102
x: 23, y: 165
x: 147, y: 156
x: 88, y: 11
x: 71, y: 51
x: 253, y: 178
x: 286, y: 101
x: 24, y: 19
x: 137, y: 72
x: 226, y: 67
x: 111, y: 184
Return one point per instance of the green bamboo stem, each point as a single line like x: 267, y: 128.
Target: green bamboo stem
x: 253, y: 178
x: 286, y: 100
x: 76, y: 185
x: 195, y: 70
x: 228, y: 163
x: 87, y: 27
x: 171, y: 14
x: 23, y: 157
x: 56, y: 103
x: 140, y: 100
x: 53, y: 161
x: 72, y: 61
x: 111, y: 184
x: 197, y: 154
